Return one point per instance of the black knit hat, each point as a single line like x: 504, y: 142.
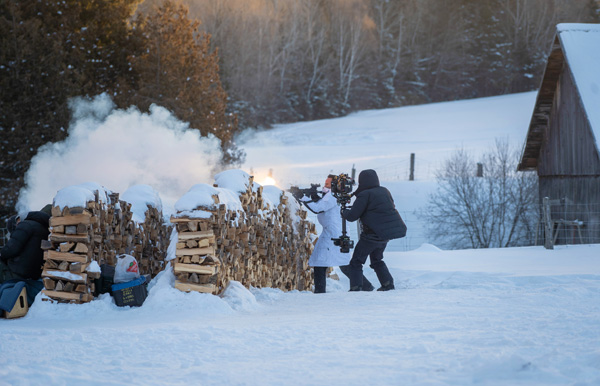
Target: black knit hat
x: 11, y: 223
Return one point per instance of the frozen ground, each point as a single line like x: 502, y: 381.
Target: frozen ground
x: 520, y: 316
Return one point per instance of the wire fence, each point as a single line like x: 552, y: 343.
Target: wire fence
x: 570, y: 223
x: 388, y: 170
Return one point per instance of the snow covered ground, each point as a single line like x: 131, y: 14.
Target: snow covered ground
x: 518, y: 316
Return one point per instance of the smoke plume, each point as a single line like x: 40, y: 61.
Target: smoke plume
x: 120, y: 148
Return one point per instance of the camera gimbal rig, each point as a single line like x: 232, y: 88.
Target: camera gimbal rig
x: 341, y: 188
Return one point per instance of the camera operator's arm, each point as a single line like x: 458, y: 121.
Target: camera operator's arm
x: 358, y: 208
x: 324, y: 204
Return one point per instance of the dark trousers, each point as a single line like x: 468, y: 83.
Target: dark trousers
x: 320, y: 277
x: 366, y: 284
x: 374, y: 250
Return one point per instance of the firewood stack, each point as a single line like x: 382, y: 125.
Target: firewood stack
x: 75, y: 237
x: 151, y: 236
x: 231, y: 231
x: 90, y: 227
x: 151, y: 239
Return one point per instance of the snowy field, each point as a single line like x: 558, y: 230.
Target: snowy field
x: 518, y: 316
x: 383, y: 140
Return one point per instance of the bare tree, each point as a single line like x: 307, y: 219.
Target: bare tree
x: 315, y: 38
x: 289, y: 60
x: 497, y: 210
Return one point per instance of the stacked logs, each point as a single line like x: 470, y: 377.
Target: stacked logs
x: 151, y: 240
x: 69, y: 254
x: 93, y: 233
x: 253, y: 240
x: 195, y: 264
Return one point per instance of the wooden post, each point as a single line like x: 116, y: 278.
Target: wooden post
x: 548, y: 239
x: 412, y: 167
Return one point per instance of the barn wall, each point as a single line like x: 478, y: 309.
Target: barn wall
x: 582, y: 202
x: 570, y: 147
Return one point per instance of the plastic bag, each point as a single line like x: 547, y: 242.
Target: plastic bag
x: 126, y: 269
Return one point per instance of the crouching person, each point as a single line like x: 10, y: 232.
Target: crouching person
x: 22, y: 257
x: 379, y: 223
x: 326, y: 254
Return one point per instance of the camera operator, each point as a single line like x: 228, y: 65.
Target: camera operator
x: 326, y: 254
x: 380, y: 222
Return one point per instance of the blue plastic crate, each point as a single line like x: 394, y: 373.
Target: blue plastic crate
x: 132, y: 293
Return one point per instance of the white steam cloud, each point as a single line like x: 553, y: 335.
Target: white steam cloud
x: 118, y: 149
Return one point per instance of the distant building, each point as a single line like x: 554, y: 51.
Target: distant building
x: 564, y: 133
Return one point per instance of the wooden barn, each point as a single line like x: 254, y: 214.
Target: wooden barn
x: 564, y: 134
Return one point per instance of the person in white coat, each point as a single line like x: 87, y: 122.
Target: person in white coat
x: 326, y: 254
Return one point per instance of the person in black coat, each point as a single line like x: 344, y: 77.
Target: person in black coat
x: 379, y: 223
x: 22, y: 257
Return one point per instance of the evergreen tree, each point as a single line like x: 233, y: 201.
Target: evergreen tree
x: 51, y: 51
x: 180, y: 72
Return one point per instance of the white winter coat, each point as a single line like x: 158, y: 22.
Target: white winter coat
x: 325, y: 253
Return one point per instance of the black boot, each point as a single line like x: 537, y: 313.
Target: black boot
x: 384, y: 276
x: 320, y: 277
x: 356, y: 278
x: 366, y: 284
x: 388, y: 286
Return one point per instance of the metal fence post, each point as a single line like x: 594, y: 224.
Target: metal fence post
x: 548, y: 239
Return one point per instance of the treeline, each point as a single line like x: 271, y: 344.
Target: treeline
x: 289, y: 60
x: 51, y: 51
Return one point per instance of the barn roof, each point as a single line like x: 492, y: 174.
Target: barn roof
x: 579, y: 46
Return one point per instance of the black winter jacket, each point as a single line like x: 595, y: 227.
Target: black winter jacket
x: 375, y: 208
x: 23, y: 253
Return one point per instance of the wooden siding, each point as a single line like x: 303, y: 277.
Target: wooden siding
x: 569, y: 148
x: 579, y: 190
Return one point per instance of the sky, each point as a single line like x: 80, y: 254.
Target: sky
x: 515, y: 316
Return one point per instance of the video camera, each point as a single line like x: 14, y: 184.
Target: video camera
x: 311, y: 192
x: 341, y: 188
